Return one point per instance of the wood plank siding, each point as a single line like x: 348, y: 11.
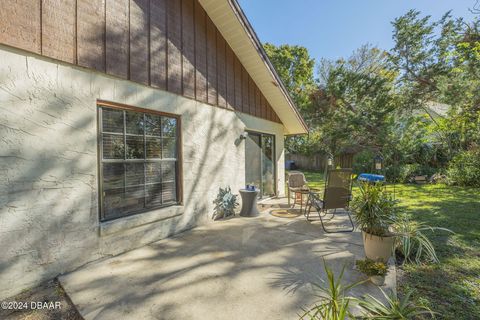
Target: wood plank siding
x: 168, y: 44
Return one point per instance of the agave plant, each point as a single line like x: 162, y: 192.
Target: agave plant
x: 225, y: 203
x: 394, y: 308
x: 334, y: 301
x: 412, y: 242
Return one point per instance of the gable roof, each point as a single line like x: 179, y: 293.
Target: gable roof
x: 237, y: 31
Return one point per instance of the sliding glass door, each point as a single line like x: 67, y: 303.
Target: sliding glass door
x: 260, y: 162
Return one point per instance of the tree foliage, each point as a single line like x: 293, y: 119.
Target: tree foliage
x: 295, y: 67
x: 379, y: 101
x: 348, y: 106
x: 354, y: 103
x: 440, y: 61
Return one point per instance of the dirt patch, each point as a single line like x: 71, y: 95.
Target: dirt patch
x: 45, y: 302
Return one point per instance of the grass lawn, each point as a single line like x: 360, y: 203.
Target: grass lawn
x: 451, y: 288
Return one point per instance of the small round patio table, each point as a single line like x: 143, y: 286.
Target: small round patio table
x: 249, y: 203
x: 299, y: 198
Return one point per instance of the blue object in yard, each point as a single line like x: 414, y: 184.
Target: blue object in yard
x: 370, y: 177
x: 290, y: 165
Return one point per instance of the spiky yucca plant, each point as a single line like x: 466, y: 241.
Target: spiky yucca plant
x: 412, y: 242
x: 395, y: 308
x: 334, y: 302
x: 374, y: 209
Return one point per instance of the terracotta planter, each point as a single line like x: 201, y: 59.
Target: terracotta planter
x: 377, y: 280
x: 377, y: 248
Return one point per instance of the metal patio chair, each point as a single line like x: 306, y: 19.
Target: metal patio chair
x: 337, y: 195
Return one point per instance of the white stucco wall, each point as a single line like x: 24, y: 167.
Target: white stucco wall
x: 48, y: 167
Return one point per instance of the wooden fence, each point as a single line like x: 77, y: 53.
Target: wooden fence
x: 317, y: 162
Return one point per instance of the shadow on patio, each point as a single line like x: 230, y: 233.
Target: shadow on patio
x: 241, y: 268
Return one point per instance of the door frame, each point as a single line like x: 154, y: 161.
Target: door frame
x: 275, y: 187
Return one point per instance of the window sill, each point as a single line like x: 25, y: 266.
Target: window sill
x: 138, y: 220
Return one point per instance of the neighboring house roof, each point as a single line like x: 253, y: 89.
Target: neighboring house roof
x: 436, y: 109
x: 237, y: 31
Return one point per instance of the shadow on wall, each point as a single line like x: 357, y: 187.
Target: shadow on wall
x: 48, y: 202
x: 48, y: 184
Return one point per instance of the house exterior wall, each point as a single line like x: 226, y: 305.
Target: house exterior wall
x: 172, y: 45
x: 49, y: 219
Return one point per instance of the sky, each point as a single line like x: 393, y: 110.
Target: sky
x: 335, y: 28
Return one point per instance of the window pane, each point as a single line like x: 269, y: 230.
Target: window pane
x: 169, y: 127
x: 134, y: 199
x: 168, y: 171
x: 169, y: 148
x: 131, y: 186
x: 268, y: 166
x: 253, y: 154
x: 152, y: 125
x: 154, y: 172
x: 112, y: 120
x: 134, y: 174
x: 168, y: 192
x: 135, y: 147
x: 134, y: 122
x: 113, y: 175
x: 154, y: 148
x: 113, y: 203
x: 113, y: 146
x: 154, y: 195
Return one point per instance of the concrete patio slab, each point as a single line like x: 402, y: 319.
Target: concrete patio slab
x: 242, y: 268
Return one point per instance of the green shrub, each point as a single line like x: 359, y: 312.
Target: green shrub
x: 363, y: 162
x: 406, y: 172
x: 464, y: 169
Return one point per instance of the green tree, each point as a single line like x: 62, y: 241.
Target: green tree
x: 354, y: 104
x: 295, y: 67
x: 440, y: 61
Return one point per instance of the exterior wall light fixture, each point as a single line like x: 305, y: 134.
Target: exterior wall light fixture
x: 243, y: 135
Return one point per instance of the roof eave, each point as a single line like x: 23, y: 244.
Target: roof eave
x: 258, y: 45
x: 239, y: 34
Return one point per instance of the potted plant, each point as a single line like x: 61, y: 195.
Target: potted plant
x: 375, y: 270
x: 225, y: 203
x: 374, y: 212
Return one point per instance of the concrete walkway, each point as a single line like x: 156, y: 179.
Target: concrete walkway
x: 242, y: 268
